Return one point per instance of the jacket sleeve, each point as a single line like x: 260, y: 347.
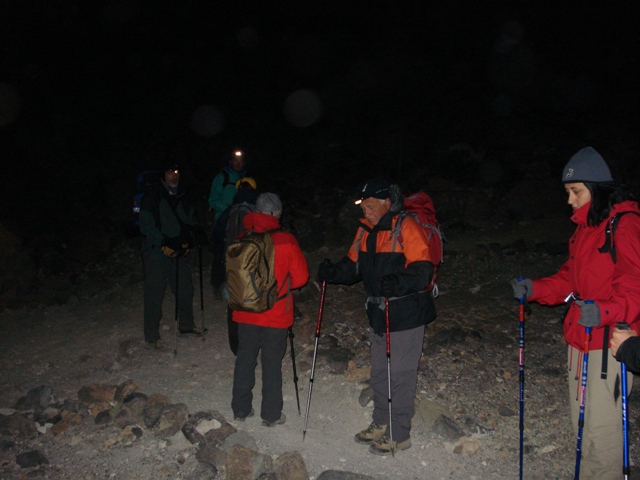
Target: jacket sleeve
x: 298, y: 268
x: 346, y: 272
x: 554, y: 289
x: 629, y: 354
x: 418, y: 270
x: 216, y: 193
x: 624, y: 304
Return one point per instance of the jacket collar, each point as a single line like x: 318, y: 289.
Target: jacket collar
x: 260, y: 222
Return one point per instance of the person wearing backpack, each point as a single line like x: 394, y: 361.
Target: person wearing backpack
x: 223, y: 191
x: 233, y: 218
x: 170, y: 230
x: 600, y: 281
x: 401, y: 274
x: 265, y: 332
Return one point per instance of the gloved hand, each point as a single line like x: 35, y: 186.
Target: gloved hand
x: 521, y: 288
x: 389, y: 286
x: 174, y: 243
x: 589, y: 313
x: 199, y: 236
x: 327, y: 271
x: 175, y: 247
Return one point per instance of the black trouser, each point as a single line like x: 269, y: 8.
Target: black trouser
x: 158, y: 272
x: 218, y: 264
x: 272, y: 345
x: 232, y: 330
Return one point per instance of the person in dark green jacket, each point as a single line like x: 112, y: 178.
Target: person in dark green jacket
x: 170, y: 230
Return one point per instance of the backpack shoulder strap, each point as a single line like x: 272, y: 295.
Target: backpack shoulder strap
x: 609, y: 245
x: 226, y: 181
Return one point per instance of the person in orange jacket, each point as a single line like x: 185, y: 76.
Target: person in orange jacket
x: 400, y: 272
x: 266, y: 332
x: 604, y: 267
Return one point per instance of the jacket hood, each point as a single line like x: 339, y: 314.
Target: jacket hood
x: 260, y: 222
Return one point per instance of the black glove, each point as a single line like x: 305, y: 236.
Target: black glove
x: 521, y: 288
x: 589, y: 313
x: 199, y: 236
x: 174, y: 243
x: 389, y: 286
x: 327, y: 271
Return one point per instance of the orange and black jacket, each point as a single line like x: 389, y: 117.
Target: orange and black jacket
x: 376, y: 253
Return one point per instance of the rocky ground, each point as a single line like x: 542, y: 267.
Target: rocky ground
x: 466, y: 425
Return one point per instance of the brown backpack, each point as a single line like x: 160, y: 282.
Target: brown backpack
x: 251, y: 280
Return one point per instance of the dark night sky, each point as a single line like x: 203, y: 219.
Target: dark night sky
x: 90, y: 92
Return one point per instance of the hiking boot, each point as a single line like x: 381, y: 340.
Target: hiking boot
x: 195, y: 332
x: 370, y: 434
x: 154, y: 345
x: 384, y: 446
x: 240, y: 418
x: 280, y: 421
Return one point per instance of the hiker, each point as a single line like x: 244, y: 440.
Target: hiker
x: 170, y: 230
x: 223, y: 191
x: 600, y: 291
x: 625, y: 346
x: 266, y: 332
x: 403, y: 277
x: 233, y: 220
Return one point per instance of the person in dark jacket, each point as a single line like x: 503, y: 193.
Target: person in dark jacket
x: 401, y: 272
x: 170, y: 230
x: 625, y: 346
x: 602, y: 286
x: 266, y: 332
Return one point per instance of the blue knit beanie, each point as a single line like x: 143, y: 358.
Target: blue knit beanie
x: 586, y: 166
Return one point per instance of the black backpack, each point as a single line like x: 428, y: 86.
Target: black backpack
x: 145, y: 181
x: 235, y: 226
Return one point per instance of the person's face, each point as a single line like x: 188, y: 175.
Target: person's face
x: 373, y: 209
x: 579, y: 194
x: 172, y: 177
x: 237, y: 161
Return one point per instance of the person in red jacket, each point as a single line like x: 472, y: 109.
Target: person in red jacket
x: 604, y: 267
x: 266, y: 332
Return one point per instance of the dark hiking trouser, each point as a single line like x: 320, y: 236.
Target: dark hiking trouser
x: 218, y: 250
x: 158, y: 272
x: 232, y: 330
x: 272, y: 345
x: 406, y: 349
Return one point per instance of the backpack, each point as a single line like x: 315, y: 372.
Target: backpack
x: 251, y: 281
x: 145, y: 181
x: 235, y: 216
x: 420, y: 206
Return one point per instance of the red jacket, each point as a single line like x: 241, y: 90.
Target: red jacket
x: 288, y: 259
x: 590, y: 274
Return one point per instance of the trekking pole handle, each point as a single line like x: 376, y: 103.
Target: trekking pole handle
x: 622, y: 325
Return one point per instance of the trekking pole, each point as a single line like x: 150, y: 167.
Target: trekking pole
x: 204, y: 330
x: 388, y: 331
x: 315, y: 352
x: 521, y: 374
x: 626, y: 471
x: 583, y: 397
x: 175, y: 336
x: 295, y: 372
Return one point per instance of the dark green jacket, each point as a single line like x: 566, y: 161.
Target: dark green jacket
x: 164, y: 215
